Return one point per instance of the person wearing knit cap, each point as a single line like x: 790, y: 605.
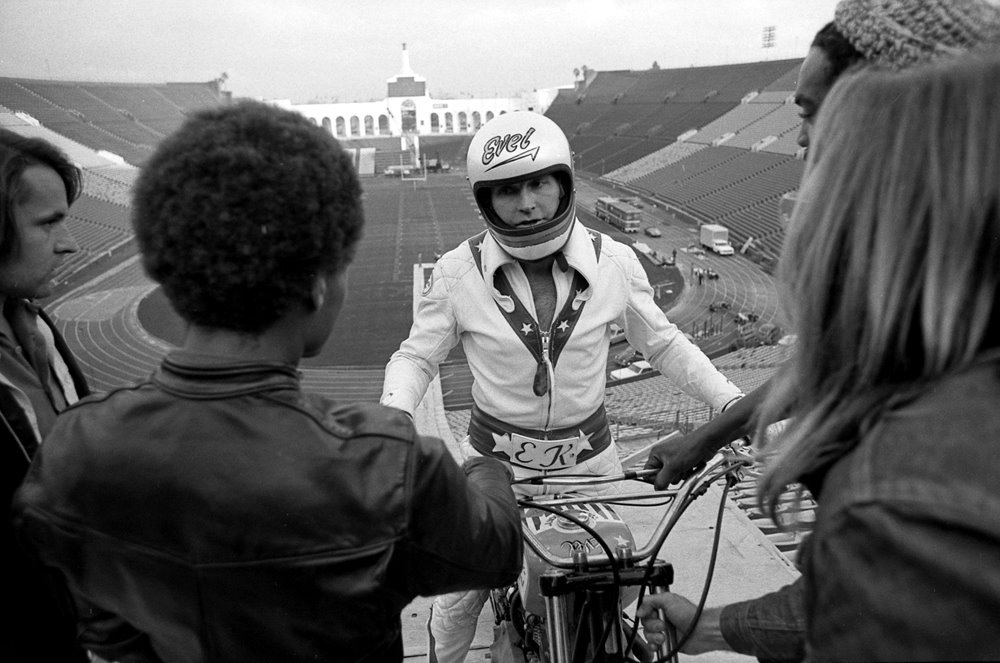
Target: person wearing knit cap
x: 901, y: 33
x: 891, y: 394
x: 894, y: 35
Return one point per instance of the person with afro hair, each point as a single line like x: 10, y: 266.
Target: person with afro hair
x: 216, y: 511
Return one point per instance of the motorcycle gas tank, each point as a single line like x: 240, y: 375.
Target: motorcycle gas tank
x: 563, y: 537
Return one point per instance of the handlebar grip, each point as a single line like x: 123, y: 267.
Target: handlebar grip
x: 669, y: 631
x: 670, y: 639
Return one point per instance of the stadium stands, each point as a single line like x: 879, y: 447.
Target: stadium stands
x: 738, y: 119
x: 718, y: 143
x: 127, y: 120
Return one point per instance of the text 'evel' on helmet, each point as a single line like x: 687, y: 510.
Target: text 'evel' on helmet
x: 514, y: 147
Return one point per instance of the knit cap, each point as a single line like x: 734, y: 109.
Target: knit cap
x: 901, y: 33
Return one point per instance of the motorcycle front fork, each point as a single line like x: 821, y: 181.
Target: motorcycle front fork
x: 561, y: 589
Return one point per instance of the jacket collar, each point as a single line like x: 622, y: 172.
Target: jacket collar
x: 208, y: 376
x: 578, y: 253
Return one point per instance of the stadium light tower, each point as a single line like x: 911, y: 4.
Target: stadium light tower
x: 768, y: 37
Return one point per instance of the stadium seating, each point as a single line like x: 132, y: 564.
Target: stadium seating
x: 738, y: 119
x: 719, y: 143
x: 127, y: 120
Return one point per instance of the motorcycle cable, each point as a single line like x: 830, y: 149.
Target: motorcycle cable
x: 704, y: 593
x: 666, y: 502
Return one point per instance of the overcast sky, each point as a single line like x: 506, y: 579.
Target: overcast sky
x: 344, y: 51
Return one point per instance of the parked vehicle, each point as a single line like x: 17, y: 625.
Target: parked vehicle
x: 635, y: 369
x: 716, y: 238
x: 661, y: 259
x: 435, y: 165
x: 397, y: 171
x: 617, y: 334
x: 621, y: 215
x: 627, y: 356
x: 653, y: 231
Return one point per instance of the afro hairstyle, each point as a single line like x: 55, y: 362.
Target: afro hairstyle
x: 239, y: 210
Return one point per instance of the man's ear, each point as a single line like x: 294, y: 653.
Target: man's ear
x: 317, y: 294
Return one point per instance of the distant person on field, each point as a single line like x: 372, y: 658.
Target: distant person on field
x: 216, y: 511
x: 532, y: 300
x: 38, y: 376
x: 890, y: 278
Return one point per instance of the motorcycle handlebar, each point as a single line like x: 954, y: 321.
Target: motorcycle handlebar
x: 729, y: 461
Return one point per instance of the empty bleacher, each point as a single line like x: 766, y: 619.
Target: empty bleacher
x: 783, y: 119
x: 190, y: 97
x: 653, y: 161
x: 736, y: 120
x: 622, y: 116
x: 719, y: 143
x: 687, y: 168
x: 609, y: 86
x: 98, y: 183
x: 127, y: 120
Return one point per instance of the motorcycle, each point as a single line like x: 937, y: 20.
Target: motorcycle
x: 582, y: 565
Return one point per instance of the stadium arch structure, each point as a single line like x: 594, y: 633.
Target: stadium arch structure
x: 408, y: 111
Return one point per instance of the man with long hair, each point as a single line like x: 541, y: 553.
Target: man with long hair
x: 38, y: 376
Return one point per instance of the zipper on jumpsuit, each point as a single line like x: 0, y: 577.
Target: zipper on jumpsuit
x: 551, y: 374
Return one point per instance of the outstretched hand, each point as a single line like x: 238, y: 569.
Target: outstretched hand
x: 675, y: 458
x: 680, y: 613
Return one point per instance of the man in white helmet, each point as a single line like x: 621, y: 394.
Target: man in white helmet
x: 532, y: 300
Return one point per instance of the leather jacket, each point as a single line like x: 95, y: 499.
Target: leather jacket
x: 39, y: 626
x: 218, y: 513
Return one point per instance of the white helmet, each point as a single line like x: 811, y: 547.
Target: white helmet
x: 513, y: 147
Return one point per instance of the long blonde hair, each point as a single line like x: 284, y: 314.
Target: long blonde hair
x: 890, y: 273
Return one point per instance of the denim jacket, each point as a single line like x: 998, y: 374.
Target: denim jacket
x: 904, y: 560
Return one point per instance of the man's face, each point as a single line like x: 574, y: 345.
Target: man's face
x: 814, y: 83
x: 43, y: 240
x: 527, y: 202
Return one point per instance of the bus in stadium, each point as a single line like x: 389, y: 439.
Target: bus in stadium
x: 621, y: 215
